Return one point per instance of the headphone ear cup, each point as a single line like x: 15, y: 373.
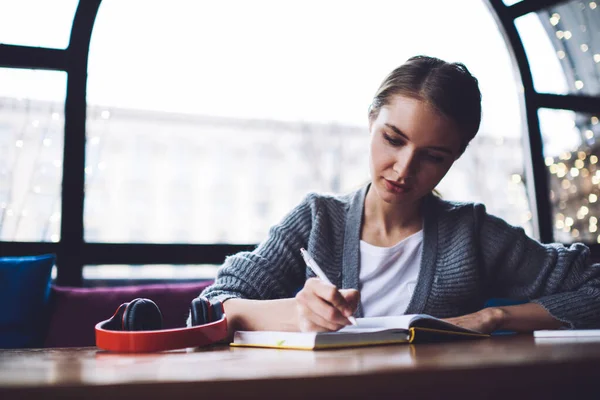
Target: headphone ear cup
x: 199, y: 310
x: 217, y: 311
x: 142, y: 315
x: 115, y: 323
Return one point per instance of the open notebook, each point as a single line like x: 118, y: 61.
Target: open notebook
x: 414, y: 328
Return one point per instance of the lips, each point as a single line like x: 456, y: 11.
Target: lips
x: 396, y: 187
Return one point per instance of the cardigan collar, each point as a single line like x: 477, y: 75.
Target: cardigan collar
x: 351, y: 254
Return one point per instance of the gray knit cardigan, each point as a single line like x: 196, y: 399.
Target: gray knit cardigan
x: 468, y: 257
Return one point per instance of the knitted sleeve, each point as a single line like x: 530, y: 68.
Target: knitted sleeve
x: 559, y: 278
x: 275, y: 268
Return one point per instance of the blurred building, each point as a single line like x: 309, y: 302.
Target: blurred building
x: 156, y: 177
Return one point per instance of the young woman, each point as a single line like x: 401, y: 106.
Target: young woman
x: 393, y: 247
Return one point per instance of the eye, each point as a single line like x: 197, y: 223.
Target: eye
x: 392, y: 141
x: 434, y: 158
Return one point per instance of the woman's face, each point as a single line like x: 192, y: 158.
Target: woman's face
x: 412, y: 147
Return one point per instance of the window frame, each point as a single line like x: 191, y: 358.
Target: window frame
x: 73, y: 252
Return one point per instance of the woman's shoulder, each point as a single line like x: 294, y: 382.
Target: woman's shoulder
x: 455, y: 206
x: 331, y: 200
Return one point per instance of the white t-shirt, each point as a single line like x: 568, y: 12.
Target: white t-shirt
x: 388, y: 275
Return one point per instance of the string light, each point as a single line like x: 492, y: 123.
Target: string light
x: 589, y: 134
x: 560, y: 34
x: 597, y: 58
x: 516, y: 178
x: 568, y: 35
x: 575, y: 233
x: 593, y: 159
x: 594, y: 119
x: 561, y: 54
x: 560, y: 216
x: 585, y: 172
x: 584, y: 47
x: 578, y: 164
x: 578, y: 84
x: 554, y: 19
x: 581, y: 155
x: 569, y: 221
x: 593, y: 5
x: 549, y: 161
x: 593, y: 198
x: 574, y: 172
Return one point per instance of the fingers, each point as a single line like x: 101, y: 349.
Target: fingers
x: 352, y: 297
x: 311, y: 321
x: 330, y: 294
x: 321, y: 307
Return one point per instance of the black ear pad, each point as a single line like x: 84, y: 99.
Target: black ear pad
x: 200, y: 312
x: 116, y: 321
x: 217, y: 311
x: 142, y: 315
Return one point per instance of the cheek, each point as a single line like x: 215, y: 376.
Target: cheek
x: 380, y: 156
x: 434, y: 173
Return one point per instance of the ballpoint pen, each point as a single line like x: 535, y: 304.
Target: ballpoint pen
x: 312, y: 264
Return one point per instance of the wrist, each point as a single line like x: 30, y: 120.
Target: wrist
x: 499, y: 317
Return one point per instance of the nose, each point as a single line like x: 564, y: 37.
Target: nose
x: 405, y: 164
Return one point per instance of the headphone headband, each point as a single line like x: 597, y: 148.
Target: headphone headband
x: 158, y: 340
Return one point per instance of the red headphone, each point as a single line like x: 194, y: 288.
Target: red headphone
x: 136, y: 327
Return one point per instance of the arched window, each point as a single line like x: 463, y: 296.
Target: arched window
x: 213, y: 126
x: 205, y: 122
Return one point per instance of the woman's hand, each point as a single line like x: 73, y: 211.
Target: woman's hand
x: 484, y: 321
x: 322, y: 307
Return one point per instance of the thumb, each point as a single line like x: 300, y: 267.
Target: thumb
x: 352, y: 297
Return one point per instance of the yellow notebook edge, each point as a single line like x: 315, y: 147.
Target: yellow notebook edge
x: 322, y: 347
x: 413, y: 331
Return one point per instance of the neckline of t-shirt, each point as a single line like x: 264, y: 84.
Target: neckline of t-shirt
x: 372, y: 249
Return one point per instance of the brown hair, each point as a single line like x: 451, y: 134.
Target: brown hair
x: 449, y: 87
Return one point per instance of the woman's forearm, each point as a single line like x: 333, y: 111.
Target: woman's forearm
x: 264, y: 315
x: 526, y: 318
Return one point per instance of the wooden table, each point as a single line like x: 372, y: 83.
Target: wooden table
x: 504, y: 367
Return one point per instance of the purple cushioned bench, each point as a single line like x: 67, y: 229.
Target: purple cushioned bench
x: 75, y: 311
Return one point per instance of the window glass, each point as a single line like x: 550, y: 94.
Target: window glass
x: 37, y: 23
x: 562, y: 47
x: 107, y: 273
x: 211, y: 128
x: 31, y: 153
x: 571, y: 151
